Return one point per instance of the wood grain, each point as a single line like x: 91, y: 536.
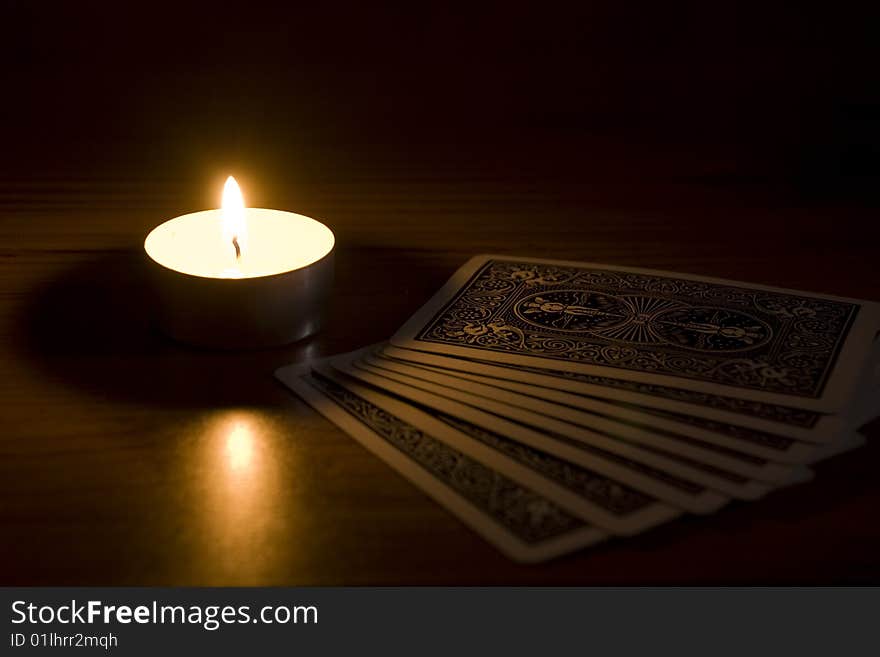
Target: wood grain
x: 128, y: 459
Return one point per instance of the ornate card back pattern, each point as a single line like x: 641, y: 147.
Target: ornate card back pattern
x: 716, y: 333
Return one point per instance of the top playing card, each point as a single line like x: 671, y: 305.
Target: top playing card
x: 712, y: 335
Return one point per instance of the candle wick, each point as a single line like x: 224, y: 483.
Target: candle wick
x: 237, y: 247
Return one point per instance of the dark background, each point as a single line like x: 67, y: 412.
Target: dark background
x: 737, y: 140
x: 294, y: 90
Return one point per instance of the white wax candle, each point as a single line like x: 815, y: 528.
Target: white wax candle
x: 199, y: 244
x: 240, y: 277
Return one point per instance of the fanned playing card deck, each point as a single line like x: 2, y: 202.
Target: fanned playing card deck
x: 551, y: 404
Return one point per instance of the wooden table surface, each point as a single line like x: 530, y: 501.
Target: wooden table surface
x: 116, y: 464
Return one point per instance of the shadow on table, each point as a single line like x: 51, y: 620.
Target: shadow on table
x: 91, y: 328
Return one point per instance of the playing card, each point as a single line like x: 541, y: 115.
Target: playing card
x: 771, y: 447
x: 772, y: 419
x: 595, y: 498
x: 763, y: 445
x: 579, y: 425
x: 708, y: 335
x: 523, y: 524
x: 676, y: 480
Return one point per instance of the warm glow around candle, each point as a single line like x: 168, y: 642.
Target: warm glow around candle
x: 234, y: 224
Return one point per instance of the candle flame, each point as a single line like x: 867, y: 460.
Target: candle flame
x: 234, y: 225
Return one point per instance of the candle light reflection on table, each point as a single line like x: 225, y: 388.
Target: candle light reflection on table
x: 240, y: 447
x: 240, y: 496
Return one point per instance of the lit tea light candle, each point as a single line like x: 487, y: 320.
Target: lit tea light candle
x: 239, y: 276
